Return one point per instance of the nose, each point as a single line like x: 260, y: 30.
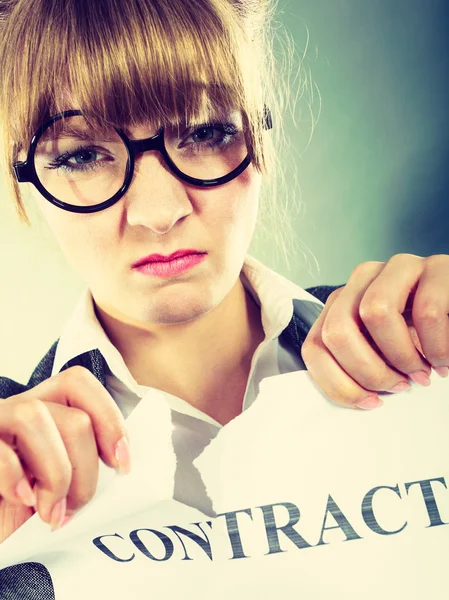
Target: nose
x: 156, y: 198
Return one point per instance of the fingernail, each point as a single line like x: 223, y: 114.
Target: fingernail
x: 370, y: 402
x: 66, y: 520
x: 400, y: 387
x: 420, y: 377
x: 58, y: 514
x: 25, y: 493
x: 122, y: 456
x: 441, y: 371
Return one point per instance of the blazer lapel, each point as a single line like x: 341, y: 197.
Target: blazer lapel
x: 93, y: 361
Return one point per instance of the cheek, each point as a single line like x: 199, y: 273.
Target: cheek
x: 234, y: 210
x: 244, y: 211
x: 81, y: 238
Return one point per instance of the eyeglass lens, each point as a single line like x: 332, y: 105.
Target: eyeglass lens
x: 83, y: 166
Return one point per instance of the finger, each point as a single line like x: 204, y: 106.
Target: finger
x: 78, y: 436
x: 327, y: 372
x: 381, y: 311
x: 430, y: 311
x: 342, y: 336
x: 37, y: 441
x: 332, y: 379
x: 14, y: 485
x: 78, y: 388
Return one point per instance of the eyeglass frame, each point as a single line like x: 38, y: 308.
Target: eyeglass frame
x: 25, y: 171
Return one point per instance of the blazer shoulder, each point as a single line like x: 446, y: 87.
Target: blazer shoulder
x: 10, y: 387
x: 44, y: 368
x: 322, y: 292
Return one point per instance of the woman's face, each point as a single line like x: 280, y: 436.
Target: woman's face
x: 160, y: 214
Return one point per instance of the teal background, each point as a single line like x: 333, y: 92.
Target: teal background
x: 374, y: 179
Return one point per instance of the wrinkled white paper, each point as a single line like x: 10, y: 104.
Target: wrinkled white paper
x: 312, y: 500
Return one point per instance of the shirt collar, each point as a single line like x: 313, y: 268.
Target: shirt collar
x: 271, y: 291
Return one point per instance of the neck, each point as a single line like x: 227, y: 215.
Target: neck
x: 205, y: 361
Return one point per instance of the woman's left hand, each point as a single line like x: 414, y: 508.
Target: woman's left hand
x: 389, y: 323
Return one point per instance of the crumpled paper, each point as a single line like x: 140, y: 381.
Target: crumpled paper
x: 312, y: 500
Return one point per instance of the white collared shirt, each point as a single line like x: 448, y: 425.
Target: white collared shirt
x: 193, y: 429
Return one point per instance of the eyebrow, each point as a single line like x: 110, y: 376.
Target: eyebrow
x: 78, y: 134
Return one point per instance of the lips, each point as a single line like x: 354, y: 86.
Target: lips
x: 167, y: 258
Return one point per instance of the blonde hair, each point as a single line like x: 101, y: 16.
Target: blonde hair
x: 127, y: 63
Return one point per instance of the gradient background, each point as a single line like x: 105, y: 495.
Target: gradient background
x: 374, y: 179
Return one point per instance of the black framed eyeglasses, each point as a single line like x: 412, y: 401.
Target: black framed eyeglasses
x: 83, y: 170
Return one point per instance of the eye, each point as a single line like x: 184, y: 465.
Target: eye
x: 204, y: 133
x: 86, y: 155
x: 85, y: 158
x: 207, y: 136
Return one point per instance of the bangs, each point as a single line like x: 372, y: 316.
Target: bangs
x: 128, y: 63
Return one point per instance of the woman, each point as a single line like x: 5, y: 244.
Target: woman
x: 143, y: 134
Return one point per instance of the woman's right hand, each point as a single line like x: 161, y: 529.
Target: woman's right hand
x: 50, y: 440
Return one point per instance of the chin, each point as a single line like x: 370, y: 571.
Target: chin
x: 175, y: 308
x: 176, y: 314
